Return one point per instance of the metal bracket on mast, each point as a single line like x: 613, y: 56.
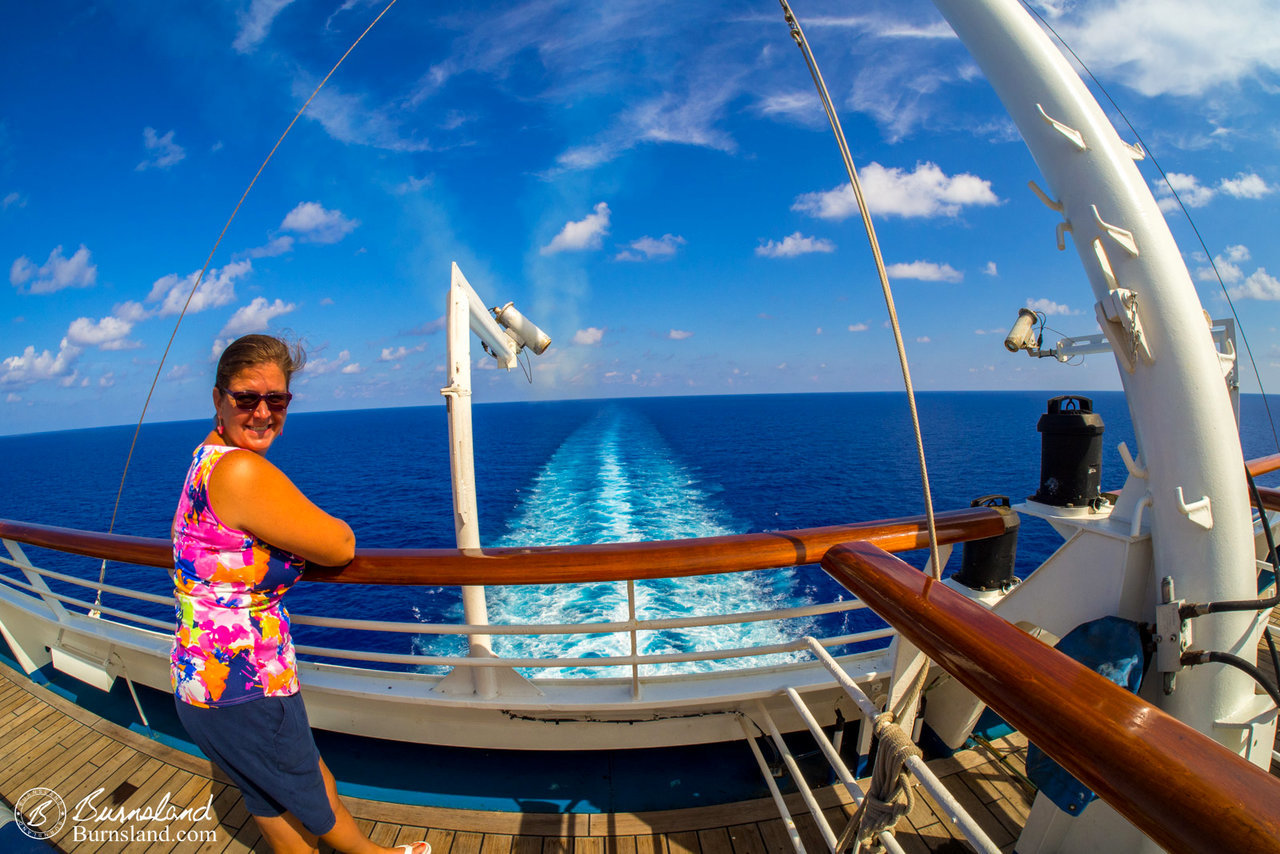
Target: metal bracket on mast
x: 1074, y: 136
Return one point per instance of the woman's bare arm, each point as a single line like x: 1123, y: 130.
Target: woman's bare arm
x: 250, y: 494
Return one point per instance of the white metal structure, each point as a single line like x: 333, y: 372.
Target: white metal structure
x: 1183, y: 515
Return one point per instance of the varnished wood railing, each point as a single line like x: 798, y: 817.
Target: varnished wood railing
x: 1263, y: 465
x: 561, y: 564
x: 1181, y: 788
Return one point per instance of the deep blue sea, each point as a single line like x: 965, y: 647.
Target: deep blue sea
x: 584, y: 472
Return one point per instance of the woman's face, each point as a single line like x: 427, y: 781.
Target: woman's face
x: 254, y: 429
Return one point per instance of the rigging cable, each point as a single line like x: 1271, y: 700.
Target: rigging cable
x: 1243, y: 337
x: 798, y: 35
x: 102, y: 574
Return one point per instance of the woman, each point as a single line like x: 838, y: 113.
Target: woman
x: 241, y: 537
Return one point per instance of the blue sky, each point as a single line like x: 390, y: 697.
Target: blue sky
x: 652, y: 183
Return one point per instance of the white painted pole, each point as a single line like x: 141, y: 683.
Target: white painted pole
x: 1181, y: 410
x: 462, y: 469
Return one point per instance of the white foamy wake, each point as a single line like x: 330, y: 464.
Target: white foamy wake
x: 616, y: 480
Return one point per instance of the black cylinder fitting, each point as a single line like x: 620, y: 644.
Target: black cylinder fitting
x: 1070, y: 453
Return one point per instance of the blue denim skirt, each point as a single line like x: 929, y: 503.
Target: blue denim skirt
x: 266, y: 748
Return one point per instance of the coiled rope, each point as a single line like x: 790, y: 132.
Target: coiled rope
x: 798, y: 35
x: 102, y: 574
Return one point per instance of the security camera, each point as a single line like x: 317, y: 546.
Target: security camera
x: 1021, y: 336
x: 522, y: 330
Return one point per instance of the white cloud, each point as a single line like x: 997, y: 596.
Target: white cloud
x: 1184, y: 48
x: 925, y: 271
x: 109, y: 333
x: 1048, y: 307
x: 395, y: 354
x: 315, y: 224
x: 255, y: 316
x: 858, y: 327
x: 925, y: 192
x: 1227, y: 264
x: 162, y: 151
x: 1259, y: 285
x: 679, y: 334
x: 216, y: 289
x: 14, y: 199
x: 581, y: 234
x: 1246, y: 185
x: 320, y: 366
x: 353, y: 368
x: 924, y: 339
x: 33, y: 367
x: 276, y: 246
x: 589, y: 336
x: 55, y: 274
x: 990, y: 269
x: 350, y: 120
x: 794, y: 244
x: 255, y: 23
x: 651, y: 247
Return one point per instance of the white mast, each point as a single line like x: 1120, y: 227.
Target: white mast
x: 1202, y: 536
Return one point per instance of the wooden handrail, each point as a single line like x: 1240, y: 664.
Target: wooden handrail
x: 1179, y: 787
x: 1263, y: 465
x: 1270, y: 497
x: 561, y: 564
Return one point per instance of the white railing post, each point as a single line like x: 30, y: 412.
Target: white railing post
x: 462, y: 469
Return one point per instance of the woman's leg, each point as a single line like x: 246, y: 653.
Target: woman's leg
x: 286, y: 834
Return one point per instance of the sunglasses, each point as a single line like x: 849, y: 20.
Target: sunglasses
x: 277, y: 401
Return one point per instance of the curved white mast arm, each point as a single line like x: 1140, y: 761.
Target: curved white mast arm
x: 1200, y: 517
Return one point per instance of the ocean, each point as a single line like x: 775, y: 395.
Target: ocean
x: 586, y: 471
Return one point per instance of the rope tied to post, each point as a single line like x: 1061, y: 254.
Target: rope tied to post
x: 889, y: 797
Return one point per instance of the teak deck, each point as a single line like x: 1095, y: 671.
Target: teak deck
x: 48, y: 741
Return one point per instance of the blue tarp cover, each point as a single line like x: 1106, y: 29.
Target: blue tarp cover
x: 1112, y: 647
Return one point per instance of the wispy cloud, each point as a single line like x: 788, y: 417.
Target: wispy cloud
x: 354, y: 120
x: 648, y: 248
x: 926, y: 191
x: 13, y: 200
x: 1187, y: 48
x: 925, y: 271
x: 1049, y: 308
x: 679, y: 334
x: 585, y: 233
x: 793, y: 245
x: 395, y: 354
x: 57, y: 273
x: 255, y: 23
x: 1245, y: 185
x: 162, y: 151
x: 1259, y: 284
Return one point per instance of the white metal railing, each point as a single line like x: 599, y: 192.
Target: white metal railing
x: 929, y: 781
x: 633, y: 627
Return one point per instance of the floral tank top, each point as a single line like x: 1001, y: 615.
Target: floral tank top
x: 232, y: 642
